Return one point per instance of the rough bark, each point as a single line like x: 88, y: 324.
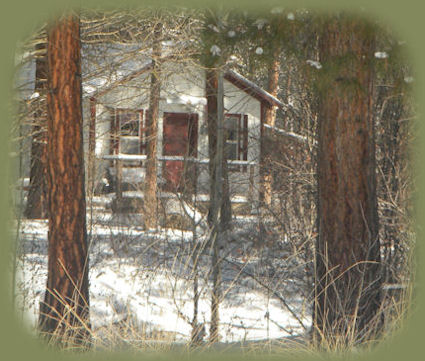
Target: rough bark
x: 212, y: 114
x: 150, y: 198
x: 211, y: 95
x: 36, y: 206
x: 269, y: 118
x: 348, y: 273
x: 220, y: 213
x: 65, y: 310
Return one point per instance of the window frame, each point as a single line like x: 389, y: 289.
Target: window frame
x: 117, y: 137
x: 241, y: 139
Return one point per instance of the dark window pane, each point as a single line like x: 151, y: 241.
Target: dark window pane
x: 231, y: 151
x: 129, y: 123
x: 231, y: 125
x: 129, y: 146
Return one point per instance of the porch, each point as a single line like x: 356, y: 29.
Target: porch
x: 127, y: 172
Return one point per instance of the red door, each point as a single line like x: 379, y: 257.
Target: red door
x: 180, y: 133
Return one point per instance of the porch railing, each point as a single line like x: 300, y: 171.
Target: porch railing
x: 120, y: 158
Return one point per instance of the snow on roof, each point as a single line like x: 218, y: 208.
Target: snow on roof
x: 230, y: 75
x: 115, y: 66
x: 143, y: 63
x: 97, y: 87
x: 255, y: 90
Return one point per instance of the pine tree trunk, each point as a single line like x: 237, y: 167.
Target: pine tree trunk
x: 348, y: 271
x: 36, y: 206
x: 269, y: 119
x: 225, y: 204
x: 65, y: 310
x: 211, y: 95
x: 220, y: 213
x: 150, y: 194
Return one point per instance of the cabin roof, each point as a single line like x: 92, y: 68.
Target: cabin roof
x: 232, y: 76
x: 252, y: 89
x: 100, y: 84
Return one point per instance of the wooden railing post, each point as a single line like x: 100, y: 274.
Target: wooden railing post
x: 251, y: 179
x: 118, y: 179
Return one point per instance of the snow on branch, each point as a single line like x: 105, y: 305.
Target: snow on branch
x: 299, y: 138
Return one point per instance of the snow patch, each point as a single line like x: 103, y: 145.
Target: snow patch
x: 231, y: 34
x: 314, y: 64
x: 290, y: 16
x: 259, y: 51
x: 214, y: 28
x: 260, y: 23
x: 215, y: 50
x: 381, y: 55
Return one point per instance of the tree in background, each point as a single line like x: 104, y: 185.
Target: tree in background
x: 344, y: 266
x: 150, y: 194
x: 393, y: 115
x: 36, y: 206
x: 276, y: 29
x: 214, y: 54
x: 65, y: 310
x: 269, y: 119
x: 348, y: 271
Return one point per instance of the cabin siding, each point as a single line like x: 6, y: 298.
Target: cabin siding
x: 181, y: 92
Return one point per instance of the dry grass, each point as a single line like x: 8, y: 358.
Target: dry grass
x: 132, y: 336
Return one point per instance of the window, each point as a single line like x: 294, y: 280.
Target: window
x: 128, y: 133
x: 236, y: 138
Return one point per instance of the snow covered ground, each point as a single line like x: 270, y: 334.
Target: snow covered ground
x: 145, y: 278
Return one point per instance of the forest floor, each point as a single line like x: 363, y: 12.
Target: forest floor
x: 142, y: 282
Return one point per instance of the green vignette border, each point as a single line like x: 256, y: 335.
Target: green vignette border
x: 19, y: 18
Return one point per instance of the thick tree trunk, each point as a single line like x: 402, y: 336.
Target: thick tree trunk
x: 37, y: 201
x: 65, y: 310
x: 269, y: 119
x: 348, y: 271
x: 150, y: 194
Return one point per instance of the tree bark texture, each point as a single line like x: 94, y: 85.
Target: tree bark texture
x: 36, y: 206
x: 150, y: 194
x: 269, y: 119
x: 348, y: 272
x: 211, y: 95
x: 212, y: 114
x: 65, y: 310
x: 220, y: 212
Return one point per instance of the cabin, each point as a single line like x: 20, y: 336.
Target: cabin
x: 116, y: 116
x: 116, y: 89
